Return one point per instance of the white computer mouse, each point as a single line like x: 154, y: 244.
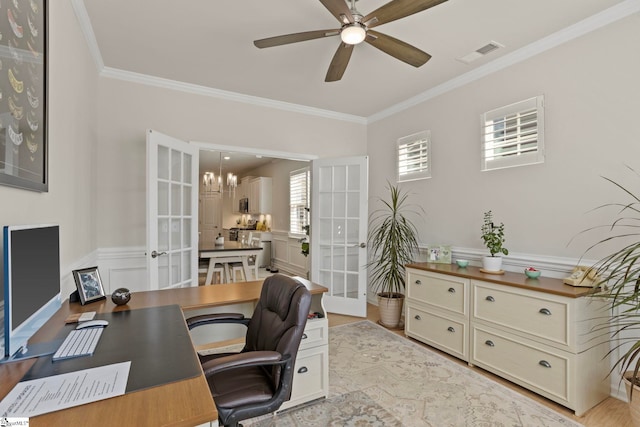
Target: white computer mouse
x: 92, y: 324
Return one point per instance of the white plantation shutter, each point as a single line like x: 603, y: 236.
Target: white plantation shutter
x: 299, y: 200
x: 513, y: 135
x: 414, y: 157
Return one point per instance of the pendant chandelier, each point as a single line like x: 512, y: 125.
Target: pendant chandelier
x: 213, y: 184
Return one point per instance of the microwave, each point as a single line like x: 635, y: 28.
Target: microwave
x: 244, y: 205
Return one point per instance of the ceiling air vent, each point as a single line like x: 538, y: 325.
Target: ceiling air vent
x: 480, y: 52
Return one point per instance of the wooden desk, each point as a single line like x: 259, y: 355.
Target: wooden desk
x: 227, y: 253
x: 182, y: 403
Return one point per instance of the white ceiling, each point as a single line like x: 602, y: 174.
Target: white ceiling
x: 209, y: 43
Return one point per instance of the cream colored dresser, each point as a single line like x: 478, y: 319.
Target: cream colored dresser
x: 311, y: 370
x: 534, y: 332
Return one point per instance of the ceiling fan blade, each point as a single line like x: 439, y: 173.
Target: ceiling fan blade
x: 397, y: 48
x: 339, y: 62
x: 294, y: 38
x: 397, y: 9
x: 338, y: 8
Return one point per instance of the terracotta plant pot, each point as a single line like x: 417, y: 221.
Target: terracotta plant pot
x: 634, y: 400
x: 390, y: 307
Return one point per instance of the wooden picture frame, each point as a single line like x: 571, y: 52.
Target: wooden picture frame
x: 23, y: 84
x: 89, y: 285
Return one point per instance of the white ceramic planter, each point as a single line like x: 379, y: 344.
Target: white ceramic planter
x: 492, y: 263
x: 634, y: 401
x: 390, y: 310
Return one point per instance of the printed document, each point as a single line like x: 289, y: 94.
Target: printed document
x: 42, y: 395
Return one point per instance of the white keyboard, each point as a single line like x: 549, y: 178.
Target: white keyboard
x: 79, y: 342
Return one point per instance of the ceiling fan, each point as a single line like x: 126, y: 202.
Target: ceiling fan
x: 356, y: 28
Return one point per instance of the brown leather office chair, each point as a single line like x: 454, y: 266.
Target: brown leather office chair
x: 258, y: 380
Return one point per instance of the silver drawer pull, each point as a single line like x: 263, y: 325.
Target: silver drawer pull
x: 302, y: 370
x: 453, y: 291
x: 304, y: 336
x: 489, y: 343
x: 490, y: 298
x: 545, y: 311
x: 451, y: 329
x: 544, y: 363
x: 418, y: 282
x: 417, y: 317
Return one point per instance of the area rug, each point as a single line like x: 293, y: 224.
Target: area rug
x: 378, y: 378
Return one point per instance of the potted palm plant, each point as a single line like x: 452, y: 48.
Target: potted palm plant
x: 493, y: 238
x: 392, y: 244
x: 619, y: 282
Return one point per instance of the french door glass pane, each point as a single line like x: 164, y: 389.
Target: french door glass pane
x: 163, y: 198
x: 163, y: 163
x: 176, y: 166
x: 176, y: 199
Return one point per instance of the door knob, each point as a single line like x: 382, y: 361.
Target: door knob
x: 155, y: 254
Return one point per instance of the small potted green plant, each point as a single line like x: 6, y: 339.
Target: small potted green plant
x: 493, y: 238
x: 393, y: 243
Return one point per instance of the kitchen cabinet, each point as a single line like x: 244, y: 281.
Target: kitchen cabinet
x: 260, y: 195
x: 538, y: 333
x: 210, y: 216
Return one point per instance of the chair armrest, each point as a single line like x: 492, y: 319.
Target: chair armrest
x: 242, y: 360
x: 213, y: 318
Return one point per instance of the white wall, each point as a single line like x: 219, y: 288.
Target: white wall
x: 72, y: 103
x: 127, y: 109
x: 592, y: 97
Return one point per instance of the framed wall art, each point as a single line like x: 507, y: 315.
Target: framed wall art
x: 23, y: 94
x: 440, y: 254
x: 89, y: 285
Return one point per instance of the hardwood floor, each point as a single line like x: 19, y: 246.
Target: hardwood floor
x: 610, y: 413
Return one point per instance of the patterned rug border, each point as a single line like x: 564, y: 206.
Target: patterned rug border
x: 461, y: 368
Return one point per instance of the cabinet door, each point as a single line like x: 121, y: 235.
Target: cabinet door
x: 210, y: 221
x: 254, y: 195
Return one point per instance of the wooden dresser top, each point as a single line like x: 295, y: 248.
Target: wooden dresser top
x: 519, y: 280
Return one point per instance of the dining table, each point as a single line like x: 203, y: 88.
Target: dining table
x: 227, y: 253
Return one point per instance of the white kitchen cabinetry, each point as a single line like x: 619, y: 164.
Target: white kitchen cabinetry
x: 311, y: 370
x: 209, y: 216
x: 260, y: 193
x: 537, y: 333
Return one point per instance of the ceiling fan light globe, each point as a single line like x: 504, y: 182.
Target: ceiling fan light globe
x: 353, y: 34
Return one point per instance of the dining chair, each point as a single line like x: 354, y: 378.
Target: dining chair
x: 237, y: 267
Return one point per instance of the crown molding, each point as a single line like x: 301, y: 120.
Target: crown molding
x: 606, y: 17
x: 87, y: 30
x: 148, y: 80
x: 592, y: 23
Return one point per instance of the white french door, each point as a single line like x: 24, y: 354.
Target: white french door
x: 172, y: 212
x: 339, y: 210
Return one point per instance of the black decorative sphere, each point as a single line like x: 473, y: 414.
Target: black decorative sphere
x: 121, y: 296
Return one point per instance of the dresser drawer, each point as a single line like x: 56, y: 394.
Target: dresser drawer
x: 446, y: 292
x: 544, y: 369
x: 315, y: 334
x: 444, y: 333
x: 529, y: 312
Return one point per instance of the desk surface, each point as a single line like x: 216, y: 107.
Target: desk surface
x: 180, y: 403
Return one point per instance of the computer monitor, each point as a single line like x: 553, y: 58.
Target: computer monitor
x: 31, y: 257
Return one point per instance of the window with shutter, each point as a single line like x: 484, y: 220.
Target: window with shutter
x: 299, y: 196
x: 513, y: 135
x: 414, y: 157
